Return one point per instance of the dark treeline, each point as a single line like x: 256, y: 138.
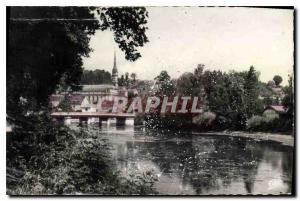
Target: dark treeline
x: 103, y: 77
x: 233, y: 100
x: 95, y: 77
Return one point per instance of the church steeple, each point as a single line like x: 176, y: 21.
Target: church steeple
x: 114, y: 75
x: 115, y: 59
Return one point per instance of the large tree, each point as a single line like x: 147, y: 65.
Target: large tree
x: 277, y: 79
x: 46, y: 45
x: 164, y: 83
x: 188, y: 84
x: 95, y: 77
x: 288, y: 102
x: 252, y: 103
x: 232, y: 96
x: 133, y: 77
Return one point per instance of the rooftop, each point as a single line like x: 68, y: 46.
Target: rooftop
x: 277, y: 108
x: 98, y: 87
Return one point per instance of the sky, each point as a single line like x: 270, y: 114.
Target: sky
x: 224, y: 39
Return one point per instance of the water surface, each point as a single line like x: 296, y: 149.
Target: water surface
x: 189, y: 164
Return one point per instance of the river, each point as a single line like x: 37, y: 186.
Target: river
x: 201, y: 165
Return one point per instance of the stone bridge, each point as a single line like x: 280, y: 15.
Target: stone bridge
x: 94, y: 117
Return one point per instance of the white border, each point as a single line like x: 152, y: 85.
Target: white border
x: 150, y: 3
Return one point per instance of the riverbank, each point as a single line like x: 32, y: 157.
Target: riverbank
x: 287, y: 140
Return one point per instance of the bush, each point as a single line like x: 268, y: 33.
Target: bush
x: 270, y: 114
x: 266, y: 122
x: 205, y: 120
x: 72, y: 161
x: 222, y: 123
x: 256, y: 123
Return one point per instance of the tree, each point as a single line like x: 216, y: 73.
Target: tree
x: 187, y: 84
x: 95, y: 77
x: 133, y: 77
x: 225, y: 97
x: 128, y: 25
x: 46, y: 45
x: 198, y: 72
x: 121, y: 81
x: 65, y: 104
x: 191, y: 84
x: 288, y: 102
x: 165, y: 85
x: 252, y: 103
x: 163, y: 76
x: 45, y: 48
x: 127, y: 79
x: 277, y: 79
x: 266, y: 93
x: 234, y: 86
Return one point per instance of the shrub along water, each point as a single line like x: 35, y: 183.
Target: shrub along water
x: 265, y: 122
x: 57, y: 160
x: 205, y: 121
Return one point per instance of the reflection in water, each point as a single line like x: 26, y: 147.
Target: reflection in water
x: 190, y: 164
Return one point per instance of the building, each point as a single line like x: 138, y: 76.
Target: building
x: 94, y: 103
x: 97, y: 98
x: 88, y: 99
x: 55, y: 100
x: 76, y: 100
x: 114, y: 74
x: 279, y: 110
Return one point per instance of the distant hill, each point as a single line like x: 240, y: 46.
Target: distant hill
x: 95, y: 77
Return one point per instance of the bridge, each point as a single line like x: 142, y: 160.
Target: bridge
x: 94, y: 117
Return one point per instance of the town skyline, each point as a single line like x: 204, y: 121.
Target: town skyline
x: 268, y: 47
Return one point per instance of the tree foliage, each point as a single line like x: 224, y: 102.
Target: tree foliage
x: 65, y: 104
x: 277, y: 79
x: 187, y: 84
x: 164, y: 83
x: 121, y: 81
x: 46, y: 45
x: 95, y: 77
x: 288, y: 102
x: 45, y: 49
x: 128, y: 25
x: 127, y: 80
x: 232, y: 96
x: 133, y: 77
x: 64, y: 161
x: 253, y: 104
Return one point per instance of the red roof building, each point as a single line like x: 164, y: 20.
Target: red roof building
x: 280, y: 109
